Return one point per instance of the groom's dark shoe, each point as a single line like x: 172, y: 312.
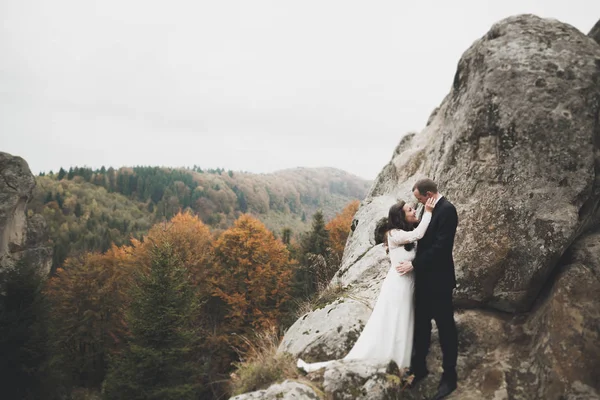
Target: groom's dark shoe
x: 446, y: 387
x: 416, y: 377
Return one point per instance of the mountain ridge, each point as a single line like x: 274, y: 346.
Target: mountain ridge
x: 88, y: 210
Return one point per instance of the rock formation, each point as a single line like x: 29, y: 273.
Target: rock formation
x: 287, y: 390
x: 515, y: 146
x: 20, y: 235
x: 595, y: 32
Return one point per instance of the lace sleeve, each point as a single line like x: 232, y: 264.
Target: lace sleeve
x: 399, y: 237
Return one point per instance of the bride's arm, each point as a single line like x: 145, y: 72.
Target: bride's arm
x: 400, y: 237
x: 442, y: 240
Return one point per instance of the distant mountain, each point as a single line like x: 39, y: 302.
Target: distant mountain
x: 90, y: 209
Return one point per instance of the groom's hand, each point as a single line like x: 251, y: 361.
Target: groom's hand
x: 404, y: 267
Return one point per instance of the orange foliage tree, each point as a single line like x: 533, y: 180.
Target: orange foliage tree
x: 339, y: 229
x: 251, y: 276
x: 87, y: 301
x: 192, y: 242
x: 190, y: 239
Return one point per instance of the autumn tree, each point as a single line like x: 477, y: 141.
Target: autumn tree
x: 192, y: 242
x: 87, y: 299
x: 157, y: 362
x: 339, y: 229
x: 190, y: 239
x: 251, y: 275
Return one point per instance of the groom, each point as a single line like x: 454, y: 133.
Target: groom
x: 434, y: 283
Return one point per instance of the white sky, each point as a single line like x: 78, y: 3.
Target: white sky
x: 243, y: 85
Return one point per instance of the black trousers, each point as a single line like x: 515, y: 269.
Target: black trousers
x: 435, y: 306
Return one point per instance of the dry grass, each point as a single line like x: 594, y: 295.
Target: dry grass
x: 326, y: 295
x: 262, y: 366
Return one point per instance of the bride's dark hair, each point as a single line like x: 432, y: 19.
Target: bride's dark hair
x: 397, y: 220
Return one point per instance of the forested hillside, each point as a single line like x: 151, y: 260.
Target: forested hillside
x: 137, y: 293
x: 88, y: 210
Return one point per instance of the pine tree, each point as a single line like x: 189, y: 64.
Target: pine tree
x: 315, y: 251
x: 23, y: 333
x: 61, y: 173
x: 59, y: 200
x: 156, y: 362
x: 286, y: 236
x: 242, y: 203
x: 78, y: 210
x: 317, y: 241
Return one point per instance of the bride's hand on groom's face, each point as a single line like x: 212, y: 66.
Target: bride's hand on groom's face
x: 430, y: 204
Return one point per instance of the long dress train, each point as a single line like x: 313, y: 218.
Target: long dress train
x: 388, y: 335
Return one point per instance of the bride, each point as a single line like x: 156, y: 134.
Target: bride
x: 388, y: 334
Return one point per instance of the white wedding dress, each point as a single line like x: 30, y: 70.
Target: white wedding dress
x: 388, y: 334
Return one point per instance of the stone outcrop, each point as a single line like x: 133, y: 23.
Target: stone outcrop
x: 20, y: 235
x: 515, y: 146
x: 332, y: 330
x: 595, y: 32
x: 287, y: 390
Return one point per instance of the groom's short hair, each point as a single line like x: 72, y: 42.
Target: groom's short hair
x: 425, y: 185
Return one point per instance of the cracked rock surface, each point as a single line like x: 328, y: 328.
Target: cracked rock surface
x: 20, y: 236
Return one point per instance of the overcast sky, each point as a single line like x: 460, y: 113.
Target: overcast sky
x: 243, y: 85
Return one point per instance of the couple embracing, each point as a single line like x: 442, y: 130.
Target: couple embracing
x: 417, y: 289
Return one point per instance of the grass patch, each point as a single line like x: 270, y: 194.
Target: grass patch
x: 327, y: 295
x: 261, y: 366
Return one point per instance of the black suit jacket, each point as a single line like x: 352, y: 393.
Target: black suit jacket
x: 434, y: 265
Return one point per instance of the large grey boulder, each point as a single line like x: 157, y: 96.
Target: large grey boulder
x: 329, y: 332
x: 326, y: 333
x: 16, y: 186
x: 595, y: 32
x: 516, y: 147
x: 360, y: 380
x: 287, y: 390
x: 565, y: 330
x: 365, y: 221
x: 20, y: 236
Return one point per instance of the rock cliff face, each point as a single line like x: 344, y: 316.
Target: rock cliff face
x: 20, y: 235
x: 515, y: 146
x: 595, y: 32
